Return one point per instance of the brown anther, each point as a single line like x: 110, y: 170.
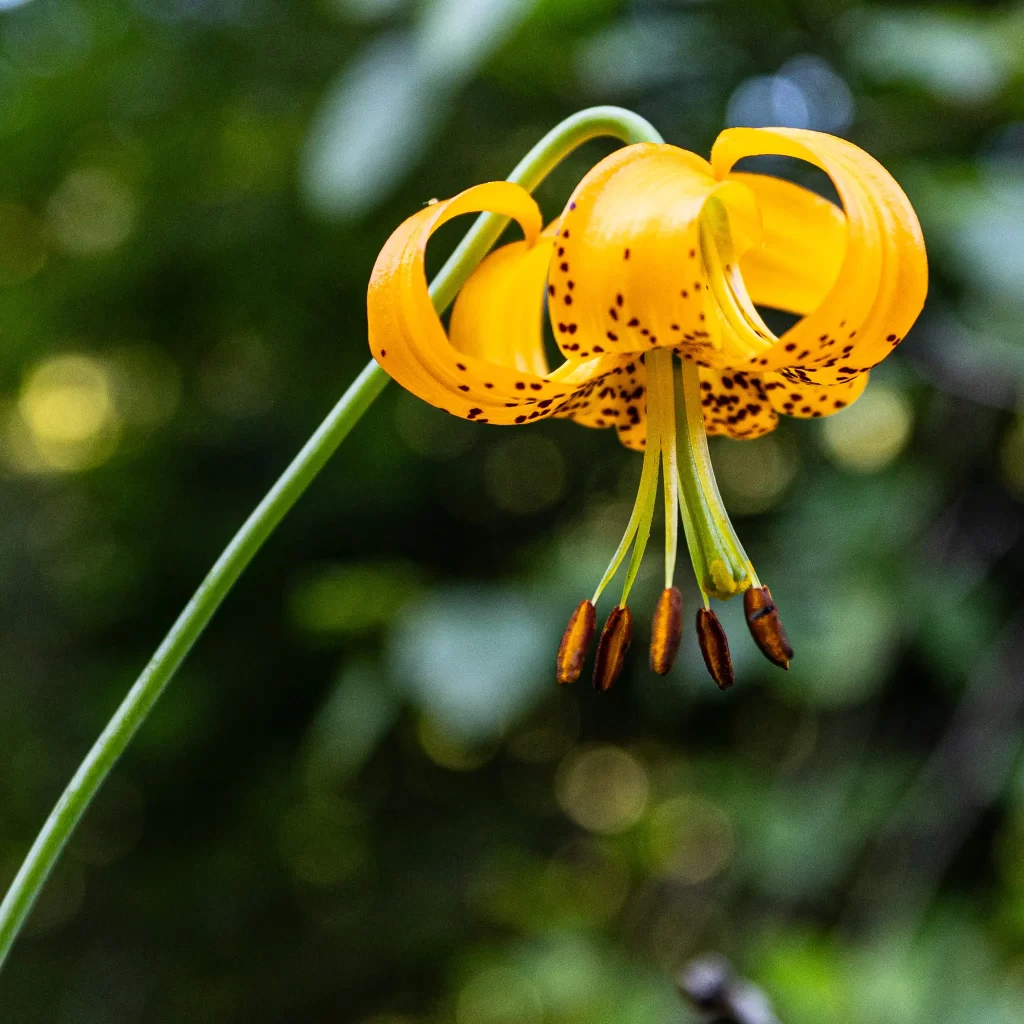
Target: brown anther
x: 666, y: 630
x: 576, y: 641
x: 714, y: 645
x: 612, y: 647
x: 766, y: 627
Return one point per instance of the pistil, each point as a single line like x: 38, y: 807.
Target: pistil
x: 719, y: 561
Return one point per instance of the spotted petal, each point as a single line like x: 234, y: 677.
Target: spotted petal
x: 802, y: 249
x: 409, y: 341
x: 616, y: 396
x: 880, y: 287
x: 735, y: 403
x: 792, y: 398
x: 627, y: 274
x: 499, y: 312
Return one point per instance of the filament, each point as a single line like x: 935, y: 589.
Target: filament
x: 646, y: 494
x: 659, y: 408
x: 660, y: 379
x: 749, y: 332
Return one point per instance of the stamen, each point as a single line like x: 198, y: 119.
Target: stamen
x: 660, y: 405
x: 646, y: 494
x: 749, y: 333
x: 663, y: 405
x: 612, y: 647
x: 576, y: 640
x: 766, y: 627
x: 666, y: 630
x: 714, y: 645
x: 719, y: 561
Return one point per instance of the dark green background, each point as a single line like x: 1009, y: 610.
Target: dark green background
x: 363, y: 799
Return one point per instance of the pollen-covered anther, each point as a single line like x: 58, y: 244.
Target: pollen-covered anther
x: 714, y: 645
x: 612, y: 647
x: 666, y: 630
x: 766, y: 626
x: 576, y: 641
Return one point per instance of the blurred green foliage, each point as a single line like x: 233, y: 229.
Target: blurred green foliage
x: 364, y: 800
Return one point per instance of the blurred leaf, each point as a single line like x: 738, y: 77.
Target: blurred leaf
x: 474, y: 659
x: 379, y: 116
x: 962, y: 59
x: 456, y: 36
x: 373, y: 124
x: 356, y: 716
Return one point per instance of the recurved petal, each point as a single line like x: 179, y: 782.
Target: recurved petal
x: 735, y: 403
x: 498, y: 315
x: 802, y: 248
x: 626, y: 274
x: 881, y: 285
x: 794, y: 398
x: 409, y: 341
x: 614, y: 395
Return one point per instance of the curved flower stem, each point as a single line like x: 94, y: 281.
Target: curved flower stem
x: 530, y: 172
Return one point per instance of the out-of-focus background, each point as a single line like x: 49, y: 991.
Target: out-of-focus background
x: 364, y: 799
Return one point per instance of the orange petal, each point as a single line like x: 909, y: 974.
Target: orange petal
x: 735, y: 403
x: 616, y: 396
x: 627, y: 275
x: 499, y: 313
x: 881, y: 284
x: 802, y: 249
x: 792, y: 398
x: 409, y: 341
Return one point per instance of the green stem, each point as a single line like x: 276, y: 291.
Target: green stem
x: 531, y: 170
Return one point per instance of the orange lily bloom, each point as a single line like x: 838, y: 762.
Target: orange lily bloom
x: 661, y: 254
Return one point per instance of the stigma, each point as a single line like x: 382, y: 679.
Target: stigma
x: 676, y: 463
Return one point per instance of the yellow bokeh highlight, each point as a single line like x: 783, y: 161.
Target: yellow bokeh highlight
x: 754, y: 475
x: 604, y: 789
x: 870, y: 434
x: 92, y: 212
x: 450, y: 751
x: 65, y: 417
x: 689, y: 838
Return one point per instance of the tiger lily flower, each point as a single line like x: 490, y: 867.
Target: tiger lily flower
x: 652, y: 277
